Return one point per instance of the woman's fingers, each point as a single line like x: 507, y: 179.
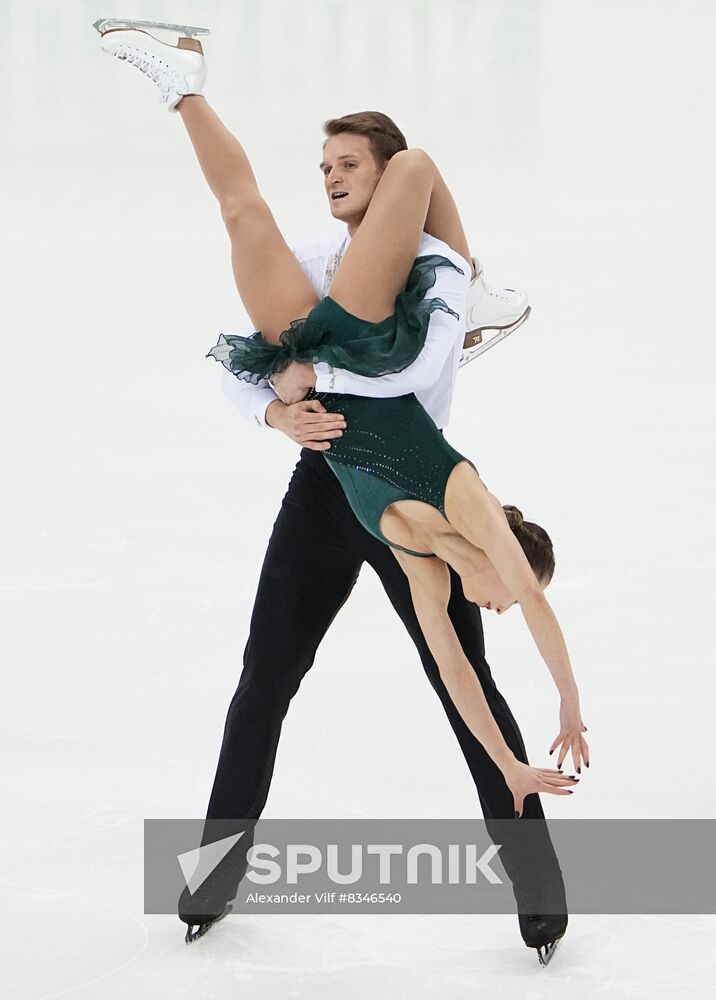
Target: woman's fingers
x: 559, y: 780
x: 524, y: 779
x: 585, y: 751
x: 554, y: 783
x: 574, y: 747
x: 580, y: 751
x: 577, y: 744
x: 542, y: 780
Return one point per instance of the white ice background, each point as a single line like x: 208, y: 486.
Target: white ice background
x: 578, y: 140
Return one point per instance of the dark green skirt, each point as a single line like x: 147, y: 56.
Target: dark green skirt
x: 391, y: 449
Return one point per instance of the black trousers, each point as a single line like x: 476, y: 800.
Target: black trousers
x: 313, y: 560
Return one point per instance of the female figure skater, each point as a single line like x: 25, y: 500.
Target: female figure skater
x: 405, y: 483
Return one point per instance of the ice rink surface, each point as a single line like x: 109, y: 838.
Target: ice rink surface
x: 577, y: 138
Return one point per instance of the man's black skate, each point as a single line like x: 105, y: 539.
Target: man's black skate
x: 543, y: 933
x: 201, y: 928
x: 203, y: 908
x: 213, y: 899
x: 542, y: 913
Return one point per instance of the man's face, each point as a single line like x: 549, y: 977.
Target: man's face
x: 349, y: 168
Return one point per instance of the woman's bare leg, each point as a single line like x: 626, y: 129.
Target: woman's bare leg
x: 443, y: 219
x: 410, y: 194
x: 272, y: 284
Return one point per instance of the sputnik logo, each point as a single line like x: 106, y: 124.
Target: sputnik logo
x: 198, y: 864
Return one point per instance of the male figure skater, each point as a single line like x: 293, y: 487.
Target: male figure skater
x: 318, y: 546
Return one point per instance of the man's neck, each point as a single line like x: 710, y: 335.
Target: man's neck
x: 353, y: 225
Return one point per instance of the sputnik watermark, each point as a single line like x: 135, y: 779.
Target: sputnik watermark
x: 433, y: 865
x: 264, y: 869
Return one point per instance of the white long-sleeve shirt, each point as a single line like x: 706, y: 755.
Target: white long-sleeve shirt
x: 431, y: 376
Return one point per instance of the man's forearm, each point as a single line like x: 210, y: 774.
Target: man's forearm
x: 272, y: 412
x: 252, y: 401
x: 444, y: 331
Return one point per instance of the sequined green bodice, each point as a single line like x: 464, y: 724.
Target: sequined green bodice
x: 390, y: 450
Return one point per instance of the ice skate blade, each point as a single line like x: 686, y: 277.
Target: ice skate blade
x: 470, y: 353
x: 185, y: 30
x: 201, y: 929
x: 546, y: 951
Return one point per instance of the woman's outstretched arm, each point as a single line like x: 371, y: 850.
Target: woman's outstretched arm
x: 429, y: 581
x: 480, y: 518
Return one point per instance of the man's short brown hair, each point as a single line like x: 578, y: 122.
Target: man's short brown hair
x: 383, y: 134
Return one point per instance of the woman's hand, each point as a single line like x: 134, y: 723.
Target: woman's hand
x: 292, y: 384
x: 522, y: 779
x: 570, y: 736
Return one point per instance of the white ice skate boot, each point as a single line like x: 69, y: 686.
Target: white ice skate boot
x: 177, y: 69
x: 501, y: 310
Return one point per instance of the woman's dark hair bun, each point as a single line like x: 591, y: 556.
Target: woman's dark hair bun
x: 513, y: 515
x: 536, y: 543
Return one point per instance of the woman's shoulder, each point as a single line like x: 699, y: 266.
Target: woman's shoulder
x: 431, y: 245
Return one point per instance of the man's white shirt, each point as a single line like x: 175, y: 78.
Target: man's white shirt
x: 431, y: 376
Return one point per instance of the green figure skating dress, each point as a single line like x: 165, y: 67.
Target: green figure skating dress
x: 391, y: 448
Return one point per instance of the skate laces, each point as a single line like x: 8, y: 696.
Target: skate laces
x: 496, y: 293
x: 166, y: 78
